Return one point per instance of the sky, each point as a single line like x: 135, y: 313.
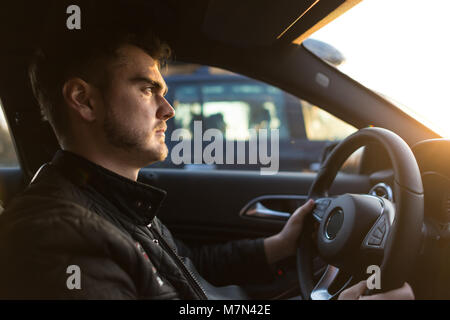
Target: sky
x: 401, y: 49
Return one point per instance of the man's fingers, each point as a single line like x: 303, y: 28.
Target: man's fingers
x: 305, y: 209
x: 354, y: 292
x: 403, y: 293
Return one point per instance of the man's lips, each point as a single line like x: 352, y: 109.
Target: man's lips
x: 161, y: 130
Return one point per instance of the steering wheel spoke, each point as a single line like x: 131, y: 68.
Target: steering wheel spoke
x: 322, y: 290
x: 377, y: 236
x: 322, y: 204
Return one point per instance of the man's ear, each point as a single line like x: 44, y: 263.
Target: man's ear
x: 78, y: 95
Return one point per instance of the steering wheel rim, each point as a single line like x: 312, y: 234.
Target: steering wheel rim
x: 403, y: 236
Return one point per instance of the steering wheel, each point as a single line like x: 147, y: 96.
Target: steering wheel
x: 356, y: 231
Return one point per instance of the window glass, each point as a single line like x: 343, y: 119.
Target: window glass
x: 399, y: 49
x: 321, y: 125
x: 259, y: 122
x: 232, y: 108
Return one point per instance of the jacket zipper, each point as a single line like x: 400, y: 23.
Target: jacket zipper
x: 191, y: 278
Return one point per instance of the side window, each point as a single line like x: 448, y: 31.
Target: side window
x: 8, y: 156
x: 231, y: 107
x: 254, y: 125
x: 321, y: 125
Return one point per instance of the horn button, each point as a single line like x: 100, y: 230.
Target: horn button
x: 344, y: 226
x: 334, y: 223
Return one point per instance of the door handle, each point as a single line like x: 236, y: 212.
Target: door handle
x: 260, y: 211
x: 258, y: 208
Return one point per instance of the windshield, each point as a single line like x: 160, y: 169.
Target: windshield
x: 399, y: 49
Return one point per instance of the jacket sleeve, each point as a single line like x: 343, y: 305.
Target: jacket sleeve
x: 236, y: 262
x: 65, y: 253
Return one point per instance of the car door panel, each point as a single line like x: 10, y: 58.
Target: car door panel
x: 205, y: 206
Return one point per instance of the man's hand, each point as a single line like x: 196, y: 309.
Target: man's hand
x: 355, y: 293
x: 284, y: 243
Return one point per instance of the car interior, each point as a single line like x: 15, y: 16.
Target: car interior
x: 262, y: 40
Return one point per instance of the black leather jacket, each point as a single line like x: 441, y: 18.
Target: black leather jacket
x: 76, y: 213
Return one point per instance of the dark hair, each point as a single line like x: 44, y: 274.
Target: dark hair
x: 85, y: 55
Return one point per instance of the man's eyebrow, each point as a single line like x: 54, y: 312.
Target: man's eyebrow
x: 157, y: 84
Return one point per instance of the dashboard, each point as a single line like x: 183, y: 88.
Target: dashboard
x: 433, y: 158
x: 430, y: 277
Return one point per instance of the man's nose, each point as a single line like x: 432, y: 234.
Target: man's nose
x: 165, y: 110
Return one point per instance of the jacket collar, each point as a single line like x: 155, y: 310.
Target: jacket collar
x: 137, y: 200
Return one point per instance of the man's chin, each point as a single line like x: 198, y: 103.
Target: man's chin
x: 159, y: 154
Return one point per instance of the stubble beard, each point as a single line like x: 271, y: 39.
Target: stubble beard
x: 132, y: 140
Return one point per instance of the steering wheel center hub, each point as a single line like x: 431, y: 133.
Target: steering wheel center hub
x: 344, y: 226
x: 334, y: 223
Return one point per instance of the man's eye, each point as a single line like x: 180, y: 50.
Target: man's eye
x: 148, y: 90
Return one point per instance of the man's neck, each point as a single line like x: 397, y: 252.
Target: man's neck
x: 113, y: 164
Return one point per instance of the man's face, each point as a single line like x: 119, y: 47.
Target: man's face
x: 135, y: 108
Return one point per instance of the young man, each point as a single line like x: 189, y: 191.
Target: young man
x: 85, y: 227
x: 86, y: 211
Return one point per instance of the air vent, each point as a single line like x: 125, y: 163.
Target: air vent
x: 382, y: 190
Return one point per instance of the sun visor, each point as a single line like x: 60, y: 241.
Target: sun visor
x: 252, y: 23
